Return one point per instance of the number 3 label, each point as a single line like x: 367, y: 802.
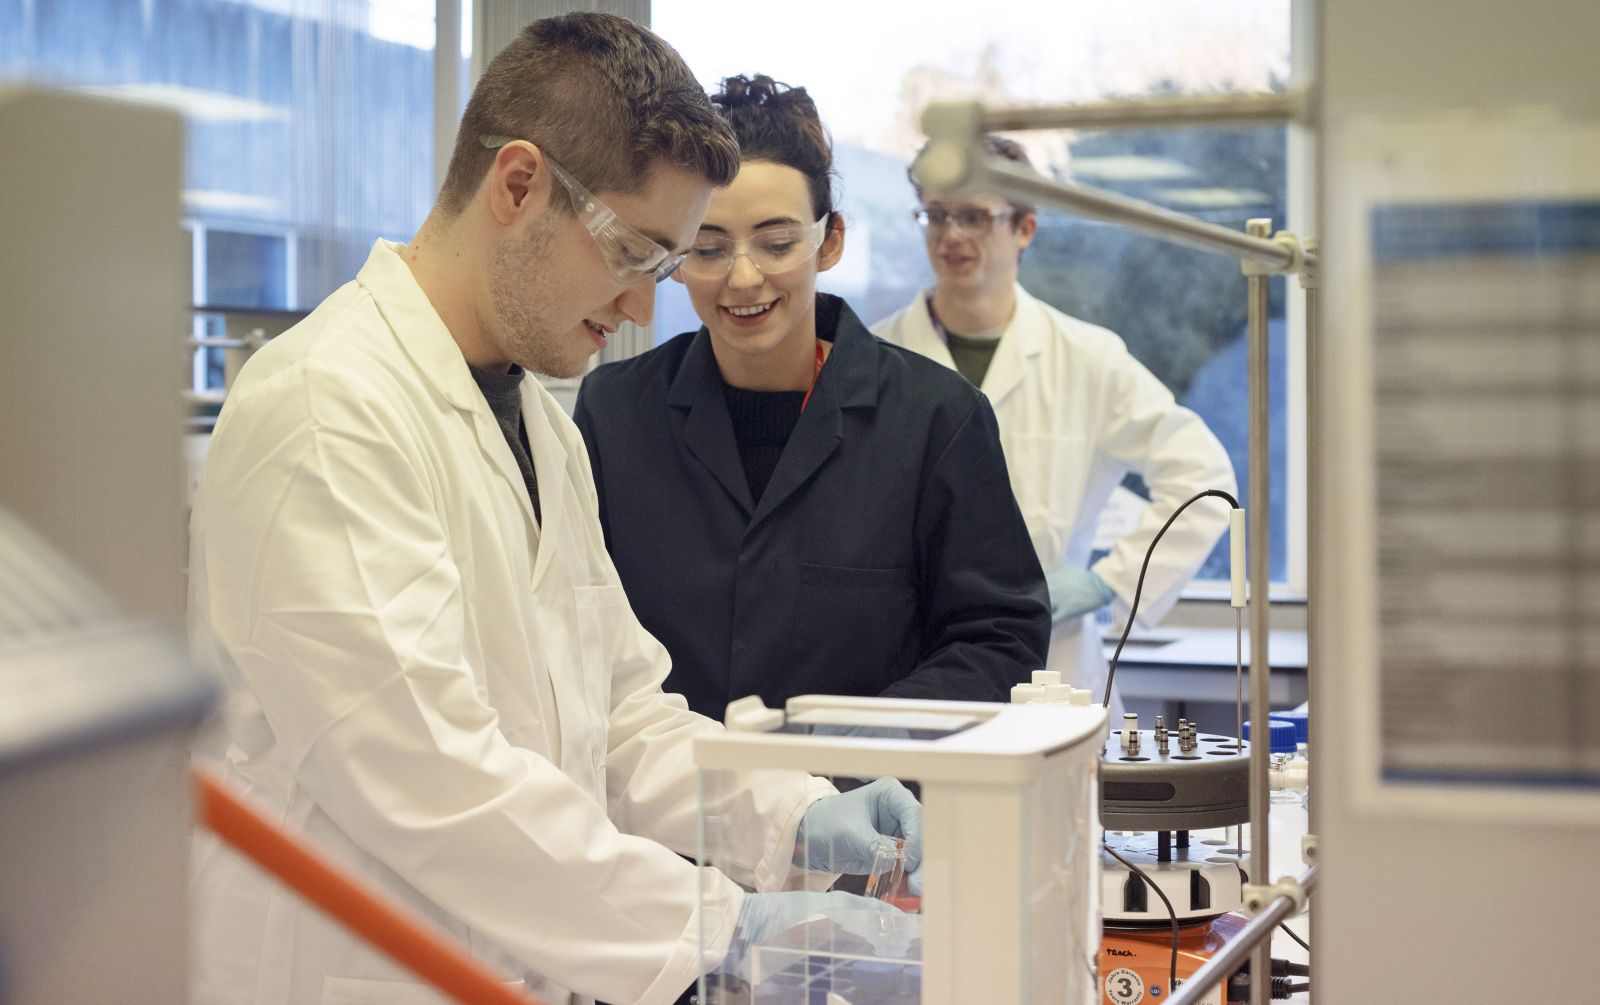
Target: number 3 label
x: 1124, y: 987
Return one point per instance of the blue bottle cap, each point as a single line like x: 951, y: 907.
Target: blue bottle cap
x: 1301, y: 721
x: 1282, y: 739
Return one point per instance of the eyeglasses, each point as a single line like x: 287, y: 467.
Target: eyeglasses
x: 974, y: 220
x: 772, y: 250
x: 627, y: 253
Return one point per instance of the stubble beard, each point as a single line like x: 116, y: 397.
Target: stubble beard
x: 524, y: 285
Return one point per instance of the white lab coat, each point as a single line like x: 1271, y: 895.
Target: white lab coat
x: 1077, y: 413
x: 452, y: 700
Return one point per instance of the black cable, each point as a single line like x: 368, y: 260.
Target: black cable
x: 1172, y: 980
x: 1291, y: 933
x: 1133, y: 610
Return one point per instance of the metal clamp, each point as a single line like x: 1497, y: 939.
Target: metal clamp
x: 1297, y: 258
x: 1256, y: 898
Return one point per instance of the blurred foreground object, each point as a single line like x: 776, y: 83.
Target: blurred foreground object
x: 98, y: 699
x: 93, y: 299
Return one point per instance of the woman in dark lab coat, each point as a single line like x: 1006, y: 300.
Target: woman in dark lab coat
x: 805, y: 508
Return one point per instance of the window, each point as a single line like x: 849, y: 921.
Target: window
x: 1181, y: 312
x: 309, y: 133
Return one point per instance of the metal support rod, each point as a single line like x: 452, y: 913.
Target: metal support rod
x: 1238, y: 677
x: 1256, y: 934
x: 1260, y: 573
x: 1147, y: 113
x: 954, y: 161
x: 446, y: 84
x: 1311, y: 282
x: 1015, y: 181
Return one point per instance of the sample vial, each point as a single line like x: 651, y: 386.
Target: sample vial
x: 887, y: 880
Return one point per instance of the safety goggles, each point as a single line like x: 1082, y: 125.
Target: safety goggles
x: 772, y: 250
x: 627, y: 253
x: 975, y: 220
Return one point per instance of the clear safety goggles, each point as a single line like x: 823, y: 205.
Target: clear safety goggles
x: 627, y: 253
x: 974, y: 220
x: 772, y: 250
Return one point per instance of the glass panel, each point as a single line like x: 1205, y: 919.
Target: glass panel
x: 849, y: 921
x: 246, y: 270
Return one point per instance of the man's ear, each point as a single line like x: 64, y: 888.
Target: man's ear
x: 832, y: 244
x: 1027, y: 226
x: 518, y: 182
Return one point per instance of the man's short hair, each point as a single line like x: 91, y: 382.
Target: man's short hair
x: 605, y: 97
x: 997, y: 146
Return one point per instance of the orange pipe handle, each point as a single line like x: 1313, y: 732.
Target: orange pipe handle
x: 403, y: 939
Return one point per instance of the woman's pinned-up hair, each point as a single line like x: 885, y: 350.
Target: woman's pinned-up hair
x: 779, y: 124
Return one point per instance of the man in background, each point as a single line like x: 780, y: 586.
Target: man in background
x: 1077, y: 413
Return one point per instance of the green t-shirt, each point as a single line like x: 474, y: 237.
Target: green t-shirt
x: 972, y: 354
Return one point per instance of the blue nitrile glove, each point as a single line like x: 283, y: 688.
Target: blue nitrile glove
x: 837, y: 832
x: 766, y: 914
x: 1075, y: 592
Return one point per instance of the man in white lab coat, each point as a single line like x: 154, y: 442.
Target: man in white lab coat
x: 396, y: 558
x: 1077, y: 413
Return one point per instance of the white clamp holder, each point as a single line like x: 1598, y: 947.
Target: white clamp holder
x: 1310, y: 276
x: 1297, y: 259
x: 1308, y: 848
x: 949, y: 161
x: 1256, y: 898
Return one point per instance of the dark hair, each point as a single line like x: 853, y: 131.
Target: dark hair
x: 998, y: 146
x: 603, y: 96
x: 779, y: 124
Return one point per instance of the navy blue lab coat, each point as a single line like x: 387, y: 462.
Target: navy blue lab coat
x: 887, y: 555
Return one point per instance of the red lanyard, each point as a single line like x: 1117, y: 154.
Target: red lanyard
x: 816, y: 372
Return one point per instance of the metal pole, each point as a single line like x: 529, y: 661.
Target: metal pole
x: 954, y: 161
x: 1256, y: 933
x: 1310, y: 281
x: 446, y: 84
x: 1260, y: 572
x: 1015, y: 181
x: 1145, y: 113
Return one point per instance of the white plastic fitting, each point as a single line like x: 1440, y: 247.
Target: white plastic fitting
x: 1027, y: 694
x: 1058, y: 694
x: 1256, y: 898
x: 1236, y: 570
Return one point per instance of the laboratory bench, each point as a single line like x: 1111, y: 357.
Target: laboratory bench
x: 1190, y: 672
